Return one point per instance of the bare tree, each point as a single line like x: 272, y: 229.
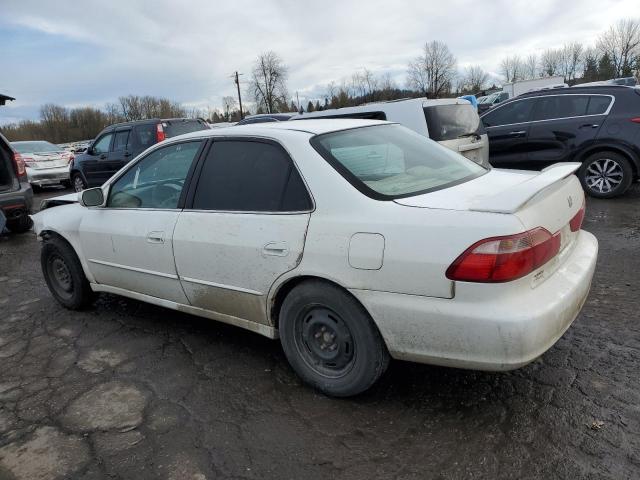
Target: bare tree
x: 570, y: 60
x: 530, y: 67
x: 474, y: 79
x: 512, y: 68
x: 433, y: 72
x: 622, y: 44
x: 228, y: 104
x: 268, y: 84
x: 550, y: 62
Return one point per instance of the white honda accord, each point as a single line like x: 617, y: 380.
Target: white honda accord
x: 353, y: 241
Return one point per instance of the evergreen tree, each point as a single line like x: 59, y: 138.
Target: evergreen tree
x: 606, y: 69
x: 310, y: 106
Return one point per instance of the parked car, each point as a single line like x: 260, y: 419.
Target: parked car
x: 266, y: 118
x: 490, y: 101
x: 453, y: 123
x: 46, y: 163
x: 118, y: 144
x: 16, y: 195
x: 350, y: 240
x: 596, y: 126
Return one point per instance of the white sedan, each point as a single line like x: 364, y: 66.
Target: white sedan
x: 353, y: 241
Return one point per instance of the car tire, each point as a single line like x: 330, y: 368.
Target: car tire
x: 330, y: 340
x: 605, y: 174
x: 21, y: 224
x: 78, y: 183
x: 64, y: 275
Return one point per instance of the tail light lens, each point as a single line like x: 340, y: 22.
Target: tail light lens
x: 636, y: 120
x: 502, y: 259
x: 19, y: 165
x: 160, y: 135
x: 576, y: 221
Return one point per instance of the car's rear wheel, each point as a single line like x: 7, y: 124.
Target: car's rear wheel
x: 21, y: 224
x: 330, y: 340
x: 606, y: 174
x: 78, y: 182
x: 64, y: 275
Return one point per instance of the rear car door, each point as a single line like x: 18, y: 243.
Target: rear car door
x: 119, y: 154
x: 95, y: 164
x: 244, y: 226
x: 507, y: 126
x: 127, y: 243
x: 563, y: 124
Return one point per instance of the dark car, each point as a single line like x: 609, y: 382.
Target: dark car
x: 16, y: 196
x: 118, y: 144
x: 598, y: 126
x: 266, y: 117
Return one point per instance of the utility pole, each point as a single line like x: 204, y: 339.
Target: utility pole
x: 237, y: 82
x: 298, y: 101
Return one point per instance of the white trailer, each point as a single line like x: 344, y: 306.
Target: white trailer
x: 523, y: 86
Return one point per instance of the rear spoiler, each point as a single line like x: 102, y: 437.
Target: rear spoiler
x: 513, y: 198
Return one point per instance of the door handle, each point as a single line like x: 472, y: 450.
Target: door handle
x: 155, y: 237
x: 127, y: 155
x: 519, y: 132
x: 276, y: 249
x: 592, y: 125
x: 103, y: 156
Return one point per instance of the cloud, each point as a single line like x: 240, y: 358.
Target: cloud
x: 94, y: 51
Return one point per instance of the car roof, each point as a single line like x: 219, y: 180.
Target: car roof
x: 152, y: 120
x: 577, y: 89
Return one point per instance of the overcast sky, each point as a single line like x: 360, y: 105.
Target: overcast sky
x: 90, y: 52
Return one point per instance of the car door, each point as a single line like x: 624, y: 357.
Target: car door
x: 127, y: 242
x: 507, y: 127
x: 244, y: 227
x: 562, y: 125
x: 119, y: 154
x: 96, y: 160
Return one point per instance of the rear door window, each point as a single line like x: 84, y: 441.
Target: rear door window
x: 250, y: 176
x: 515, y: 112
x: 598, y: 104
x: 120, y: 141
x: 448, y: 122
x: 560, y: 106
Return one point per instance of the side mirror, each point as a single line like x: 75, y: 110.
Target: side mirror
x: 92, y: 197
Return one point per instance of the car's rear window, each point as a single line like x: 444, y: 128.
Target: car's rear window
x: 448, y: 122
x: 36, y: 147
x: 173, y: 128
x: 391, y: 161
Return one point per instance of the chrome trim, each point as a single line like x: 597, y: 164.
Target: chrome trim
x: 221, y: 285
x: 242, y: 212
x: 133, y: 269
x: 606, y: 112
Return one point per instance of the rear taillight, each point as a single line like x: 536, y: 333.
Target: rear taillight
x: 502, y: 259
x: 576, y: 221
x: 160, y: 135
x: 19, y: 165
x: 636, y: 120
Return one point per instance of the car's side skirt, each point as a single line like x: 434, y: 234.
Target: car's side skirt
x: 266, y: 330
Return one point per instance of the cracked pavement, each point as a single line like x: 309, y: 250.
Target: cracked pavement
x: 132, y: 391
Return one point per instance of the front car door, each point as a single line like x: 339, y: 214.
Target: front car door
x: 507, y: 128
x: 95, y: 164
x: 244, y: 226
x: 127, y: 243
x: 564, y: 124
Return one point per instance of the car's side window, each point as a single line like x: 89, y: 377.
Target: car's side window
x: 156, y: 181
x: 515, y: 112
x: 250, y: 176
x: 560, y: 106
x: 144, y: 136
x: 102, y: 145
x: 120, y: 141
x: 598, y: 104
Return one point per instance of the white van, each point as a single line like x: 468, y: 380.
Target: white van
x: 452, y: 122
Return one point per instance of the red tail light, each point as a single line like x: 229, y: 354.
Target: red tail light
x: 636, y: 120
x: 18, y: 162
x: 502, y: 259
x: 576, y: 221
x: 160, y: 135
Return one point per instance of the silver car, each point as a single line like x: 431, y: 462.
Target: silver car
x: 46, y: 163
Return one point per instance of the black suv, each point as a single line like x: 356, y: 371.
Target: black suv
x: 598, y: 126
x: 16, y: 195
x: 117, y: 144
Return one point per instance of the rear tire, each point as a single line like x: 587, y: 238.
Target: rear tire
x: 605, y: 174
x: 20, y: 225
x: 78, y: 183
x: 330, y: 340
x: 64, y: 275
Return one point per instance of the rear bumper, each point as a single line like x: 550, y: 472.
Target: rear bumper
x: 15, y: 204
x: 505, y: 328
x: 47, y: 176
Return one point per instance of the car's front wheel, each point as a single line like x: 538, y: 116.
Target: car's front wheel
x: 64, y: 275
x: 78, y: 182
x: 605, y: 174
x: 330, y: 340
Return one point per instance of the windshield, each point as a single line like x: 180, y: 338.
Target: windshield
x: 448, y: 122
x: 391, y: 161
x: 35, y: 147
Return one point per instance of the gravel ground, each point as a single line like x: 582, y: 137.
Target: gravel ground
x: 129, y: 390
